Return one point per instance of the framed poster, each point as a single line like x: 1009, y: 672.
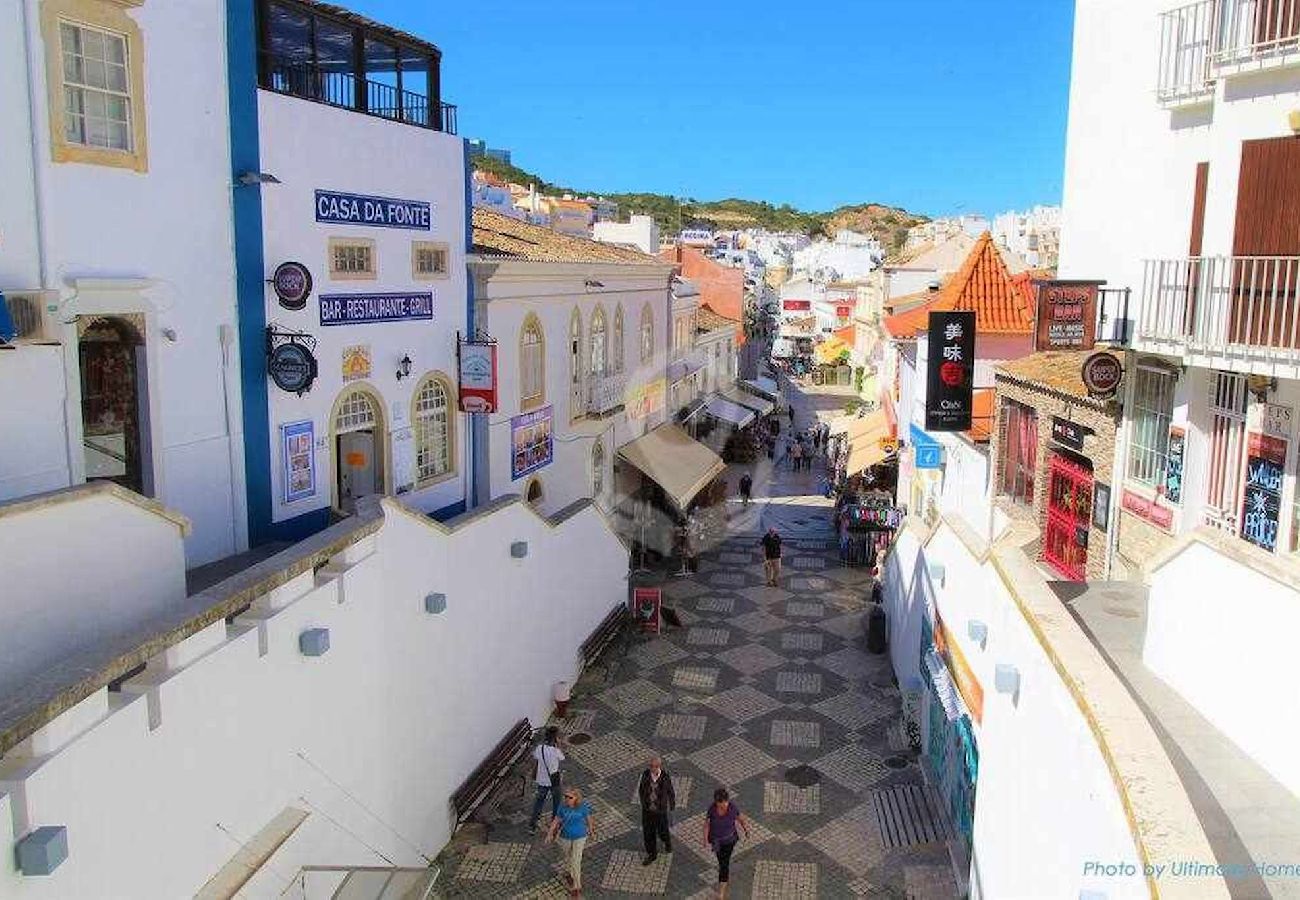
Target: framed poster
x: 1174, y: 465
x: 531, y: 444
x: 298, y: 442
x: 950, y: 370
x: 1261, y: 502
x: 403, y: 445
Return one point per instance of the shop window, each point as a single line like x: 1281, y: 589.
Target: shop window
x: 429, y: 260
x: 1018, y: 452
x: 1227, y: 446
x: 647, y: 334
x: 618, y: 340
x: 1153, y: 408
x: 432, y: 419
x: 95, y: 82
x: 352, y: 259
x: 532, y: 361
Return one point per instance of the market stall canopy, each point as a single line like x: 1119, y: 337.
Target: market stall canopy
x: 722, y: 408
x: 681, y: 368
x: 764, y: 387
x: 752, y: 401
x: 676, y: 462
x: 866, y: 437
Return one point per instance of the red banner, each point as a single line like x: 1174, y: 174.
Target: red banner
x: 796, y: 305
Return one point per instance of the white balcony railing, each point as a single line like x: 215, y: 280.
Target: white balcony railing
x: 1186, y: 45
x: 605, y: 393
x: 1222, y: 303
x: 1251, y: 30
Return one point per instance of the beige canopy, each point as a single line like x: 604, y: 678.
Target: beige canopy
x: 675, y: 461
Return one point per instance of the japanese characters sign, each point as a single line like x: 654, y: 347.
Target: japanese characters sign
x: 1262, y: 498
x: 950, y: 371
x: 1067, y: 315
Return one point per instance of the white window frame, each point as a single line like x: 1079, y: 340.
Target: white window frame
x: 532, y: 364
x: 618, y: 340
x: 431, y: 423
x: 86, y: 91
x: 1154, y: 391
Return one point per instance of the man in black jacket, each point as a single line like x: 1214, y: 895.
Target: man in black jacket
x: 657, y: 801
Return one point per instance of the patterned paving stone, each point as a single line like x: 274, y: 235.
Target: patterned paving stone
x: 854, y: 766
x: 611, y: 753
x: 810, y: 641
x: 684, y: 588
x: 775, y: 880
x: 849, y: 626
x: 732, y: 557
x: 688, y: 833
x: 758, y: 622
x: 708, y: 637
x: 493, y: 862
x: 764, y: 594
x: 732, y: 761
x: 728, y: 579
x: 809, y: 583
x: 716, y: 604
x: 799, y: 682
x: 695, y: 678
x: 635, y: 697
x: 550, y: 889
x: 929, y: 882
x: 682, y: 785
x: 653, y: 654
x: 795, y: 734
x: 681, y: 727
x: 625, y: 873
x: 852, y: 840
x: 808, y: 563
x: 751, y: 659
x: 577, y: 720
x: 801, y: 610
x: 607, y: 822
x: 783, y: 797
x: 852, y: 709
x: 740, y: 704
x: 853, y: 663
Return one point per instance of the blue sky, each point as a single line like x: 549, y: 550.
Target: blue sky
x: 941, y: 106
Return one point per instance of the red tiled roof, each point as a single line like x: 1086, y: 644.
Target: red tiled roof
x: 983, y: 285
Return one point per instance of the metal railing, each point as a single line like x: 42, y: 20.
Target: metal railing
x: 1216, y: 302
x: 1186, y: 43
x: 1113, y: 315
x: 346, y: 90
x: 605, y: 393
x: 1251, y: 29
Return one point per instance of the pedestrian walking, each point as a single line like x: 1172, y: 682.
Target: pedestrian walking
x: 796, y: 456
x: 722, y: 828
x: 790, y: 412
x: 572, y: 824
x: 548, y: 756
x: 658, y: 799
x: 772, y: 556
x: 746, y: 487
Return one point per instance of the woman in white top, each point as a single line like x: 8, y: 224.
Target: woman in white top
x: 548, y: 757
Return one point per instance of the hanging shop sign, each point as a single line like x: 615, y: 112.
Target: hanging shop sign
x: 290, y: 361
x: 796, y: 305
x: 1160, y: 516
x: 1069, y: 434
x: 356, y: 362
x: 478, y: 377
x: 972, y: 692
x: 366, y: 309
x: 532, y: 446
x: 1261, y: 503
x: 1102, y: 373
x: 297, y: 442
x: 929, y: 452
x: 1174, y: 465
x: 949, y: 371
x: 1067, y: 315
x: 843, y: 312
x: 292, y: 285
x: 337, y: 208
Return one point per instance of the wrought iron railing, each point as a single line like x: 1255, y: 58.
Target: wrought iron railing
x: 605, y: 393
x: 1113, y: 315
x: 1186, y: 44
x: 1222, y: 301
x: 344, y: 89
x: 1252, y: 29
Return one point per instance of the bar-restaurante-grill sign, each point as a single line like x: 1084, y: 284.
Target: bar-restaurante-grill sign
x: 949, y: 371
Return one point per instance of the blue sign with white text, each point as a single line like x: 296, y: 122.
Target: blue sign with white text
x: 363, y: 309
x: 379, y: 212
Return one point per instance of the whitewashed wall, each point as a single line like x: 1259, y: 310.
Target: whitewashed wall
x: 34, y: 443
x: 201, y: 751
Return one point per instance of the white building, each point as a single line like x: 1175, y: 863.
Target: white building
x: 1033, y: 235
x: 848, y: 257
x: 492, y: 193
x: 641, y: 232
x: 116, y: 263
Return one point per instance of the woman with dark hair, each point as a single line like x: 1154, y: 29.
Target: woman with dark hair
x: 722, y: 826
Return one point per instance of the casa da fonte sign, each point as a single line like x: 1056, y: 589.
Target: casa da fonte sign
x: 363, y: 309
x: 950, y: 371
x: 337, y: 208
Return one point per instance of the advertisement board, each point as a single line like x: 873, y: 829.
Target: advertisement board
x: 299, y: 460
x: 478, y: 378
x: 532, y: 446
x: 1067, y: 315
x: 1261, y: 503
x: 950, y: 371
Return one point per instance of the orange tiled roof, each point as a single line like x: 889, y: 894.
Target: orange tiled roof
x: 708, y: 320
x: 981, y: 416
x: 982, y: 285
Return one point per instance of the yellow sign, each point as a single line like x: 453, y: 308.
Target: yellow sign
x: 889, y: 445
x: 356, y: 362
x: 645, y: 399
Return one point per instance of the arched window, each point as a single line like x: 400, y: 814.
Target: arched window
x: 576, y: 408
x: 618, y: 340
x: 597, y: 470
x: 432, y: 419
x: 598, y: 344
x: 532, y: 363
x: 647, y: 334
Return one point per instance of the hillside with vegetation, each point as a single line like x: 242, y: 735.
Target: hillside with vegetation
x: 889, y: 224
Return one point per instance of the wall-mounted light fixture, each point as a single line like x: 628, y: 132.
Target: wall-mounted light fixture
x: 1261, y: 386
x: 592, y: 283
x: 43, y: 850
x: 978, y: 631
x: 404, y: 367
x: 1293, y: 119
x: 937, y: 573
x: 248, y: 179
x: 1006, y: 678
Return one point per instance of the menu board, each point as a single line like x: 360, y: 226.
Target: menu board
x: 1262, y: 497
x: 1174, y: 466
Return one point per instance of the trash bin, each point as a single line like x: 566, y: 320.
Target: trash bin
x: 876, y: 630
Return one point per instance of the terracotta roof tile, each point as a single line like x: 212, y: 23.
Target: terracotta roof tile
x: 1055, y: 370
x: 708, y: 320
x: 501, y: 236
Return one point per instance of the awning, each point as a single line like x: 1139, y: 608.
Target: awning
x: 829, y: 351
x: 722, y: 408
x: 682, y: 368
x: 752, y: 401
x: 693, y: 409
x: 673, y: 460
x: 764, y: 387
x: 865, y: 436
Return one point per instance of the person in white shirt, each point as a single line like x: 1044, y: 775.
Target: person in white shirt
x: 548, y: 756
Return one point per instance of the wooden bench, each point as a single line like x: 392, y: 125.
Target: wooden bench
x: 605, y: 634
x: 476, y: 788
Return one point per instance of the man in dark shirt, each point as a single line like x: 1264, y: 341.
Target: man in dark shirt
x: 772, y: 556
x: 657, y: 800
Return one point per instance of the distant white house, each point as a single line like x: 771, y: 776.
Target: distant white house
x: 641, y: 232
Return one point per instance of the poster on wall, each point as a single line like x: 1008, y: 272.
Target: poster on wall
x: 950, y: 371
x: 1174, y: 466
x: 298, y: 443
x: 1262, y: 497
x: 645, y: 399
x: 531, y: 444
x: 1066, y: 315
x: 356, y: 362
x: 403, y: 442
x: 478, y: 377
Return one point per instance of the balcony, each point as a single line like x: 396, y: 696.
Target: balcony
x: 1221, y: 310
x: 346, y: 90
x: 605, y: 394
x: 1203, y: 41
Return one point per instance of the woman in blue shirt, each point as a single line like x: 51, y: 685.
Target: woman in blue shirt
x: 572, y: 823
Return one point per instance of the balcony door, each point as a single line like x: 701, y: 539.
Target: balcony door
x: 1266, y: 245
x: 1276, y: 22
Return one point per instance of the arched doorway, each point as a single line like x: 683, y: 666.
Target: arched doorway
x: 357, y: 427
x: 110, y: 351
x: 534, y: 494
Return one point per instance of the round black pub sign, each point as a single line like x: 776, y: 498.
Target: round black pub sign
x: 292, y: 284
x: 292, y: 367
